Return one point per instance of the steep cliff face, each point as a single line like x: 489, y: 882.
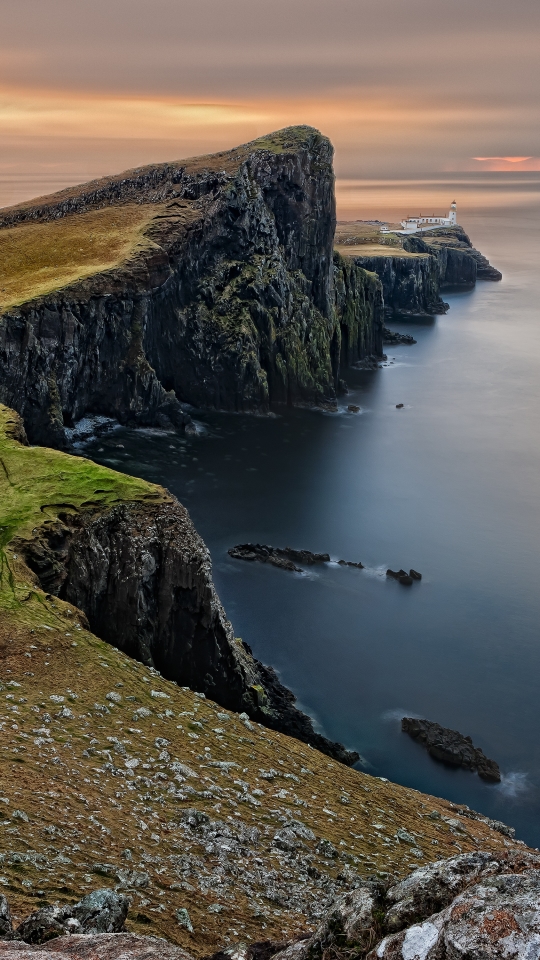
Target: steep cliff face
x: 410, y: 282
x: 359, y: 310
x: 143, y: 577
x: 460, y: 264
x: 228, y: 300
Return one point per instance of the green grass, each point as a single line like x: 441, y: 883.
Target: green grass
x: 36, y: 484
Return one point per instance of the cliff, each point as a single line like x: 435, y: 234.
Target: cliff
x: 126, y: 554
x: 208, y: 282
x: 413, y: 270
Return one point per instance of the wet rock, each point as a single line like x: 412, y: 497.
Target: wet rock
x: 392, y: 337
x: 352, y: 408
x: 450, y: 746
x: 104, y: 946
x: 102, y: 911
x: 284, y: 557
x: 401, y: 576
x: 415, y: 575
x: 399, y: 406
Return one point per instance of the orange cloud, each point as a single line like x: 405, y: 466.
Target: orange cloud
x: 499, y: 164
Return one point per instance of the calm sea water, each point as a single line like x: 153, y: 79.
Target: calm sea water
x: 449, y: 485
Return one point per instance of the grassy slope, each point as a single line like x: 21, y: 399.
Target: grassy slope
x: 37, y: 258
x: 80, y: 788
x: 36, y: 484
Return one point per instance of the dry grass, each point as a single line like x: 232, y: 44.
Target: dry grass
x: 376, y: 250
x: 37, y: 258
x: 82, y: 815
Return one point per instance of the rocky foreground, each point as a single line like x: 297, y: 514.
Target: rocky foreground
x: 474, y: 906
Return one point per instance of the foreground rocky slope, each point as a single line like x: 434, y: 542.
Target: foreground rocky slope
x: 227, y: 295
x: 471, y: 906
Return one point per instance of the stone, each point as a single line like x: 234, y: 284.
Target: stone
x: 349, y: 928
x: 183, y: 919
x: 104, y: 946
x: 6, y: 928
x: 496, y: 919
x: 102, y: 911
x: 352, y: 408
x: 399, y: 406
x: 451, y: 747
x: 415, y: 575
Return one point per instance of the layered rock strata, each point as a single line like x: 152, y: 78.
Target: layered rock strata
x: 232, y: 299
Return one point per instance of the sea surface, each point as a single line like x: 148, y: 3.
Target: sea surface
x: 449, y: 485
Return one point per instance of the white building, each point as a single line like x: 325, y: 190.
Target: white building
x: 419, y: 224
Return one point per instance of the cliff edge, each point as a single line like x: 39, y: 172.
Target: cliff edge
x: 208, y: 282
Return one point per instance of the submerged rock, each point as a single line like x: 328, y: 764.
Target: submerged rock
x: 284, y: 557
x: 451, y: 747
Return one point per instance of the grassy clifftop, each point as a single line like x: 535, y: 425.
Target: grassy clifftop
x: 38, y: 258
x: 36, y: 485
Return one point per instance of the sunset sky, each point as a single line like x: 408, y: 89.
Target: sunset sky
x: 403, y: 87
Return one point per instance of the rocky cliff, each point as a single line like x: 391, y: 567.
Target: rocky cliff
x: 415, y: 269
x: 227, y: 298
x: 126, y: 554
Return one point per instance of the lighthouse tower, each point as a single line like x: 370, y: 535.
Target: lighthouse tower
x: 452, y: 216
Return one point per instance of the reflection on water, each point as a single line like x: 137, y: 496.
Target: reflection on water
x: 447, y: 485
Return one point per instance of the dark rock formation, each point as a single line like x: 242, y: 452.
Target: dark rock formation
x: 143, y: 577
x: 234, y: 301
x: 390, y: 336
x: 451, y: 747
x: 102, y: 911
x: 411, y: 284
x: 460, y: 264
x: 403, y: 577
x: 284, y: 557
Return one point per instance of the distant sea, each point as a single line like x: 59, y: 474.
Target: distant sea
x: 449, y: 485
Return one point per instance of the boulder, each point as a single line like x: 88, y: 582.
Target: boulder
x: 353, y: 920
x: 496, y: 919
x: 102, y: 911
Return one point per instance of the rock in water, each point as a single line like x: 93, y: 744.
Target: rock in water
x: 284, y: 557
x: 451, y: 747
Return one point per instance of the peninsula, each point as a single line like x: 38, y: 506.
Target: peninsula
x: 156, y: 778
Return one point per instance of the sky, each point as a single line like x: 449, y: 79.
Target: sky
x: 404, y: 88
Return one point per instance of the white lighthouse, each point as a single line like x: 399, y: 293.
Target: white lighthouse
x: 415, y: 224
